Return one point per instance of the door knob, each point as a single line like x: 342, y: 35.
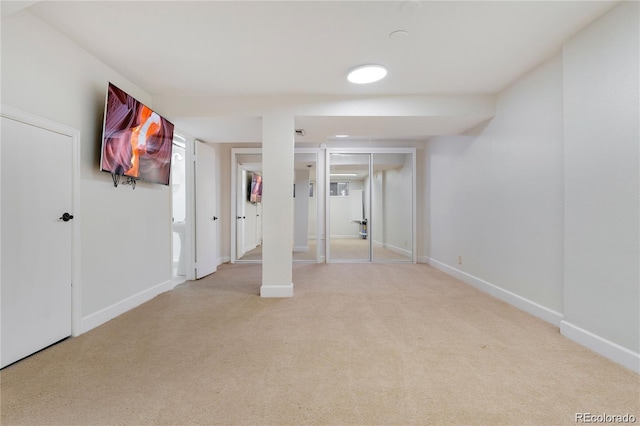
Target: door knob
x: 215, y: 218
x: 66, y: 217
x: 239, y: 217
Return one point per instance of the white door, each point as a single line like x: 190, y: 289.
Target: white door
x: 35, y: 284
x: 206, y: 216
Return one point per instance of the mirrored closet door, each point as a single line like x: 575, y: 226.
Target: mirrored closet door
x: 370, y: 206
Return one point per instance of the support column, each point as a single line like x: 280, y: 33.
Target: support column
x: 277, y: 205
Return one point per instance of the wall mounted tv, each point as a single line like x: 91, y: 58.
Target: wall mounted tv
x: 136, y: 141
x: 255, y: 189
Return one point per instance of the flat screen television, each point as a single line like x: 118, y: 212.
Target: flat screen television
x: 255, y: 189
x: 136, y: 141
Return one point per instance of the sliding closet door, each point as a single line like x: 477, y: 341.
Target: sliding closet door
x: 348, y: 207
x: 371, y: 206
x: 391, y: 227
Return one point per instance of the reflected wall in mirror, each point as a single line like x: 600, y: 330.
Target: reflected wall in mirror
x: 392, y: 195
x: 349, y: 211
x: 305, y: 238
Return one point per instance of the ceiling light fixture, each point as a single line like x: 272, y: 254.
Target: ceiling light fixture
x: 341, y: 136
x: 343, y: 174
x: 367, y: 74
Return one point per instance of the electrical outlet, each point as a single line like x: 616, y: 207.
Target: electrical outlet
x: 459, y: 260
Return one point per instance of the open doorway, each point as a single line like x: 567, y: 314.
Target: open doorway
x: 179, y: 206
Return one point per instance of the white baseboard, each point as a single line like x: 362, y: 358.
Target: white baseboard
x: 423, y: 259
x: 519, y: 302
x: 398, y: 250
x: 599, y: 345
x: 602, y: 346
x: 225, y: 259
x: 276, y: 290
x: 98, y: 318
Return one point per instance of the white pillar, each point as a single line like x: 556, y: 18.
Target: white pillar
x: 277, y: 205
x: 301, y: 216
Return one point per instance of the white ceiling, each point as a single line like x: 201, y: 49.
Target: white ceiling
x: 211, y: 48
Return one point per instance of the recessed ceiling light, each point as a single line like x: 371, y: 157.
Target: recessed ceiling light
x: 343, y: 174
x: 367, y: 74
x: 341, y: 136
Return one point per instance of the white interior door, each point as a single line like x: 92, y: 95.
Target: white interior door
x: 36, y: 177
x: 206, y: 258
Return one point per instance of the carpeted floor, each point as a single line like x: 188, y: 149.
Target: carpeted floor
x: 365, y: 344
x: 342, y: 249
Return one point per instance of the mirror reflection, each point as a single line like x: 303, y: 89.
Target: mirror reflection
x: 249, y: 223
x: 371, y: 207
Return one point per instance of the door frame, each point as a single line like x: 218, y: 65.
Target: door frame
x: 327, y: 177
x: 76, y: 252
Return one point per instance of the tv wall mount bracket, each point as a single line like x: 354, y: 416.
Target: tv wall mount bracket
x: 129, y: 181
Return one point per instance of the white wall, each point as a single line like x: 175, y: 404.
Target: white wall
x: 341, y: 212
x: 397, y: 212
x: 496, y: 194
x: 223, y: 159
x: 543, y: 202
x: 601, y: 234
x: 126, y: 234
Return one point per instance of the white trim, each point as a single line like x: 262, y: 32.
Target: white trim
x: 76, y: 252
x: 224, y: 259
x: 110, y: 312
x: 392, y: 248
x: 599, y: 345
x: 423, y: 259
x: 177, y: 280
x: 345, y: 237
x: 276, y: 290
x: 520, y: 302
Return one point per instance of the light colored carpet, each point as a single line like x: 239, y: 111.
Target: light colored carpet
x: 341, y: 249
x: 383, y: 344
